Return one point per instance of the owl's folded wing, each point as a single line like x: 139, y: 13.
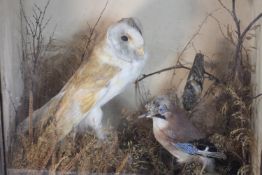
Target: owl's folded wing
x: 86, y: 86
x: 78, y: 96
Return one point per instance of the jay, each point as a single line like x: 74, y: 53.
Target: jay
x: 175, y: 132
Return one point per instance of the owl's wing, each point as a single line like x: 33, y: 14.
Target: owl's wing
x: 87, y: 84
x: 77, y: 97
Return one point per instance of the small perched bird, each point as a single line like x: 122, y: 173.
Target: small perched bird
x: 116, y: 61
x: 175, y: 132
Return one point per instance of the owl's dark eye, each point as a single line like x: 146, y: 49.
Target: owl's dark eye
x: 124, y: 38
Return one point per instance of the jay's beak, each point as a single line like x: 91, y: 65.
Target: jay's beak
x: 146, y: 115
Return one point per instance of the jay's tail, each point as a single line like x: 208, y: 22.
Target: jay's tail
x: 194, y: 150
x: 206, y: 153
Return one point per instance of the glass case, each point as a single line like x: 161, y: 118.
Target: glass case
x: 138, y: 87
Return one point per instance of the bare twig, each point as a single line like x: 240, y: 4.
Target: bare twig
x: 30, y: 115
x: 180, y: 66
x: 236, y: 20
x: 36, y: 26
x: 92, y: 30
x: 238, y: 50
x: 160, y: 71
x: 228, y: 38
x: 250, y: 25
x: 224, y: 6
x: 257, y: 96
x: 33, y: 48
x: 240, y: 38
x: 28, y: 24
x: 44, y: 12
x: 193, y: 37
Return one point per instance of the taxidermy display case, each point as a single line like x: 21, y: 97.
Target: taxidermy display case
x: 130, y: 87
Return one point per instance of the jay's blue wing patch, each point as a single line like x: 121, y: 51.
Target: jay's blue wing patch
x: 187, y: 148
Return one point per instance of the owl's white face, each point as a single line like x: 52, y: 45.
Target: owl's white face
x: 125, y: 39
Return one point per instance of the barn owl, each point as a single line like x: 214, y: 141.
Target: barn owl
x: 115, y: 62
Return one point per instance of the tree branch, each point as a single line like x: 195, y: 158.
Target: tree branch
x: 250, y: 25
x: 255, y: 97
x: 180, y: 66
x: 240, y: 38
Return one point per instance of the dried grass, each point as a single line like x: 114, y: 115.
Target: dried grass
x: 130, y: 148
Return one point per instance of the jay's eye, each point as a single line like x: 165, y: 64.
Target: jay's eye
x: 124, y: 38
x: 163, y: 109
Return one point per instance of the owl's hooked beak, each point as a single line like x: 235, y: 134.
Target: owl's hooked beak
x: 140, y: 51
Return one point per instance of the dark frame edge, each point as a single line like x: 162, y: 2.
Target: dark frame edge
x: 2, y: 139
